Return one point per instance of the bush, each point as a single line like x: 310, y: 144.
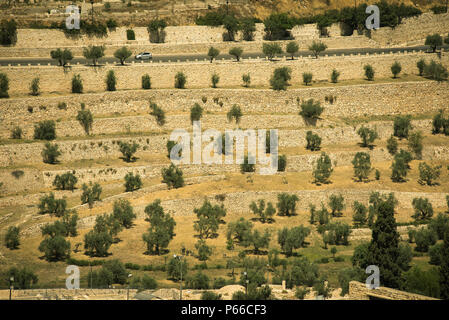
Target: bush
x: 415, y: 143
x: 271, y: 50
x: 4, y: 85
x: 438, y: 9
x: 435, y: 71
x: 265, y: 214
x: 50, y: 153
x: 440, y: 225
x: 156, y: 30
x: 122, y: 54
x: 174, y: 268
x: 77, y: 84
x: 287, y: 204
x: 338, y: 233
x: 236, y: 52
x: 392, y: 145
x: 123, y: 213
x: 213, y: 53
x: 146, y: 81
x: 435, y: 254
x: 334, y: 76
x: 369, y: 72
x: 132, y: 182
x: 317, y: 47
x: 110, y: 81
x: 94, y: 53
x: 198, y: 281
x: 323, y: 169
x: 282, y: 163
x: 248, y: 27
x: 130, y: 35
x: 63, y: 56
x: 246, y: 166
x: 16, y: 133
x: 128, y: 150
x: 280, y: 78
x: 196, y: 112
x: 12, y: 238
x: 396, y: 69
x: 34, y: 87
x: 45, y: 130
x: 172, y: 176
x: 307, y: 78
x: 204, y: 251
x: 428, y: 174
x: 90, y: 194
x: 209, y: 295
x: 368, y: 136
x: 313, y: 141
x: 158, y: 113
x: 294, y: 238
x: 434, y: 41
x: 232, y: 25
x: 399, y: 169
x: 359, y: 216
x: 235, y: 113
x: 65, y: 181
x: 421, y: 65
x: 424, y: 238
x: 402, y: 126
x: 311, y: 109
x: 438, y: 122
x: 8, y: 32
x: 180, y: 80
x: 423, y: 209
x: 246, y: 78
x: 215, y: 78
x: 336, y: 204
x: 292, y: 48
x: 85, y: 118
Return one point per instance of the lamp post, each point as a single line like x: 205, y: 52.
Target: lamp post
x: 92, y: 3
x: 245, y: 273
x: 127, y: 294
x: 11, y: 281
x: 180, y: 266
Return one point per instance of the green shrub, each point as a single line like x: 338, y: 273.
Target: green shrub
x: 438, y: 122
x: 62, y: 56
x: 271, y: 50
x: 130, y: 35
x: 280, y: 78
x: 77, y: 84
x: 156, y: 30
x: 424, y: 238
x: 213, y: 53
x: 12, y: 238
x: 236, y: 52
x: 94, y: 53
x: 246, y: 78
x: 128, y: 150
x: 45, y: 130
x: 235, y: 113
x: 180, y: 80
x: 311, y: 109
x: 369, y: 72
x: 146, y: 81
x: 415, y: 143
x: 307, y: 78
x: 248, y: 27
x: 334, y: 76
x: 196, y: 112
x: 91, y: 193
x: 172, y: 176
x: 4, y: 85
x: 111, y: 24
x: 123, y: 212
x: 323, y: 169
x: 246, y: 166
x: 85, y: 118
x: 111, y: 81
x: 8, y: 32
x: 282, y: 163
x: 421, y: 65
x: 359, y: 216
x: 292, y: 48
x: 122, y: 54
x: 434, y: 41
x: 368, y: 136
x: 317, y: 47
x: 209, y: 295
x: 65, y: 181
x: 423, y: 209
x: 396, y: 69
x: 35, y: 87
x: 402, y: 125
x: 313, y: 141
x: 392, y: 145
x: 287, y: 204
x: 158, y: 113
x: 50, y: 153
x: 48, y: 204
x: 132, y: 182
x: 16, y: 133
x: 215, y: 78
x: 436, y: 71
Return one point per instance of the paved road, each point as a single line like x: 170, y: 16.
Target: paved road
x: 192, y: 57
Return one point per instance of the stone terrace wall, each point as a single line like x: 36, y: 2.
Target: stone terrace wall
x: 359, y: 291
x: 352, y: 101
x: 57, y: 79
x: 65, y: 294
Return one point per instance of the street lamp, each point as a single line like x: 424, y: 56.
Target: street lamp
x: 92, y: 3
x: 180, y: 266
x: 11, y: 281
x: 127, y: 294
x: 246, y: 282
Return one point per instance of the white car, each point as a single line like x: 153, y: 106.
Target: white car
x: 144, y: 56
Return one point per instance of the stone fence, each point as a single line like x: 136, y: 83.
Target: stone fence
x: 359, y: 291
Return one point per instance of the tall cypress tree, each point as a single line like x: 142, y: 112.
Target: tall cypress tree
x: 444, y: 268
x: 383, y: 250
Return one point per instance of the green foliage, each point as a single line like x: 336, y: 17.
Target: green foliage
x: 392, y: 145
x: 294, y: 238
x: 440, y: 225
x: 235, y: 113
x: 49, y: 205
x: 323, y: 169
x: 265, y: 214
x: 428, y: 174
x: 209, y: 295
x: 157, y: 113
x: 238, y: 232
x: 130, y: 34
x: 271, y: 50
x: 85, y: 118
x: 424, y: 238
x: 90, y: 194
x: 146, y: 82
x: 282, y: 163
x: 16, y: 133
x: 232, y: 25
x: 122, y: 54
x: 45, y: 130
x: 423, y: 209
x: 107, y: 223
x: 65, y: 181
x: 302, y: 273
x: 438, y: 122
x: 180, y: 80
x: 396, y: 69
x: 399, y: 169
x: 279, y: 79
x: 334, y: 76
x: 172, y: 176
x: 367, y: 135
x: 292, y: 48
x: 50, y: 153
x: 24, y: 278
x: 215, y: 78
x: 349, y: 274
x: 362, y: 165
x: 156, y: 30
x: 434, y: 41
x: 422, y: 282
x: 307, y: 78
x: 359, y: 216
x: 204, y: 251
x: 8, y: 32
x: 175, y: 267
x: 248, y: 27
x: 236, y: 52
x: 311, y: 109
x: 369, y: 72
x: 4, y: 85
x: 317, y: 47
x: 435, y: 254
x: 34, y: 87
x: 209, y: 219
x: 338, y: 233
x: 12, y: 238
x: 336, y: 204
x: 123, y: 212
x: 128, y: 150
x: 246, y: 78
x: 248, y: 164
x: 77, y: 84
x: 143, y: 283
x: 313, y: 141
x: 277, y: 26
x: 62, y: 56
x: 438, y: 9
x: 55, y: 248
x: 444, y: 268
x: 94, y: 53
x: 198, y: 281
x: 132, y: 182
x: 436, y: 71
x: 421, y: 65
x: 161, y: 230
x: 213, y: 53
x: 402, y: 126
x: 415, y: 143
x: 287, y: 204
x: 111, y: 81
